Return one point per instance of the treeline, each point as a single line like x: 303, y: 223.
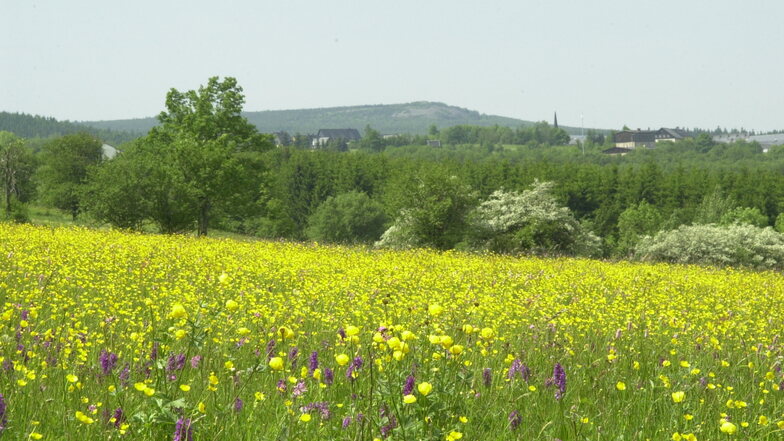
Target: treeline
x: 33, y: 126
x: 206, y: 167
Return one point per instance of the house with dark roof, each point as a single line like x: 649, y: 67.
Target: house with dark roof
x: 632, y: 139
x: 325, y: 135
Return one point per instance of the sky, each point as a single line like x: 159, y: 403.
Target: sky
x: 602, y: 63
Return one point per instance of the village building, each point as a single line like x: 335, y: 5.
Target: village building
x: 325, y: 135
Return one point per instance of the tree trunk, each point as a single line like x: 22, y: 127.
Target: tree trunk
x: 204, y: 218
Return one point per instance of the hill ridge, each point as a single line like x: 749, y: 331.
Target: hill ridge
x: 414, y: 117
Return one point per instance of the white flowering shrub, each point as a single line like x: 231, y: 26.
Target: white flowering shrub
x: 531, y: 221
x: 732, y: 245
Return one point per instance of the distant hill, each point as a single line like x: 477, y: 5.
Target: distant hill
x: 414, y: 118
x: 33, y: 126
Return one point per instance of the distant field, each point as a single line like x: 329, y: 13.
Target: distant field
x: 108, y: 335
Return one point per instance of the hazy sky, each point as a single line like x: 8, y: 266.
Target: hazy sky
x: 693, y: 63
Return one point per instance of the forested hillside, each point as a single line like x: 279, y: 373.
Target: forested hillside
x: 412, y: 118
x: 34, y: 126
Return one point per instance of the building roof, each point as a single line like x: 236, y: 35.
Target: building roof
x: 347, y: 134
x: 616, y: 151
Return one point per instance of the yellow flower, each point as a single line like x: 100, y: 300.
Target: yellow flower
x: 84, y: 418
x: 285, y: 332
x: 276, y: 363
x: 178, y: 311
x: 620, y: 385
x: 232, y: 306
x: 435, y: 309
x: 463, y: 419
x: 679, y: 396
x: 229, y: 365
x: 487, y: 333
x: 185, y: 387
x: 454, y: 436
x: 202, y: 407
x: 728, y: 428
x: 305, y: 417
x: 342, y: 359
x: 762, y: 420
x: 72, y: 378
x: 424, y: 388
x: 351, y: 330
x: 409, y: 399
x: 35, y: 435
x: 213, y: 379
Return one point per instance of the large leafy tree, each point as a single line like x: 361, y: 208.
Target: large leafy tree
x: 16, y: 167
x: 65, y: 164
x: 202, y: 162
x: 212, y: 148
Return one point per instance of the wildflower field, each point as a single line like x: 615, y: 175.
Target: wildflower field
x: 109, y: 335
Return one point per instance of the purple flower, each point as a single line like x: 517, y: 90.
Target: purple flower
x: 321, y: 406
x: 293, y: 354
x: 270, y: 349
x: 118, y: 417
x: 107, y: 360
x: 176, y: 362
x: 313, y: 362
x: 342, y: 333
x: 238, y: 404
x: 487, y: 377
x: 408, y: 388
x: 559, y: 380
x: 183, y: 431
x: 346, y: 422
x: 3, y: 416
x: 299, y: 389
x: 154, y: 352
x: 195, y: 361
x: 518, y: 367
x: 514, y: 419
x: 281, y: 386
x: 387, y: 428
x: 329, y: 376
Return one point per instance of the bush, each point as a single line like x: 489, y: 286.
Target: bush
x: 744, y: 215
x: 347, y: 218
x: 19, y: 213
x: 431, y: 210
x: 733, y: 245
x: 635, y: 222
x: 531, y: 221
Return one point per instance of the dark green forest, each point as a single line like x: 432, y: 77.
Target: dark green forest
x: 498, y: 189
x: 33, y: 126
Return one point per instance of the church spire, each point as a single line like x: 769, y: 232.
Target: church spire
x: 555, y: 120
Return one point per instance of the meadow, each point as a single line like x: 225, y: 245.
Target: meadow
x: 112, y: 335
